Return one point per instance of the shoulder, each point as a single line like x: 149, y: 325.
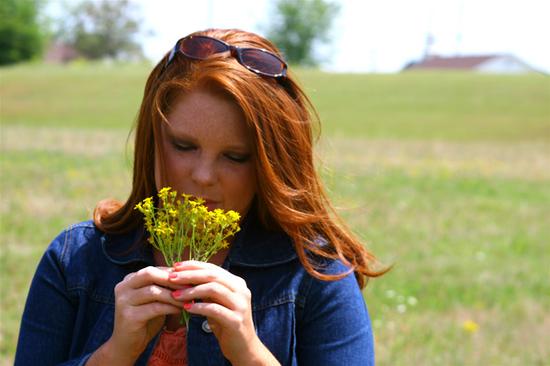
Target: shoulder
x: 75, y: 238
x: 75, y: 249
x: 85, y: 241
x: 328, y: 267
x: 71, y: 255
x: 81, y: 257
x: 315, y: 292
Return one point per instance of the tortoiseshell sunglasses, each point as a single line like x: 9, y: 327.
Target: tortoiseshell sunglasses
x: 257, y: 60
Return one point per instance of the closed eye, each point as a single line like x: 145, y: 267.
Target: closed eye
x: 238, y: 158
x: 180, y: 146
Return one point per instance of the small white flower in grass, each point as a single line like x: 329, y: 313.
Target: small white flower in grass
x: 401, y: 308
x: 390, y: 294
x: 412, y: 301
x: 480, y: 256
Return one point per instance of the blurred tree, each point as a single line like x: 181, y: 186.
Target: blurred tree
x: 101, y: 29
x: 20, y: 31
x: 298, y: 25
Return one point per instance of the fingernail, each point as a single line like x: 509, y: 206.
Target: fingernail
x: 177, y: 264
x: 176, y: 293
x: 187, y: 305
x: 172, y: 275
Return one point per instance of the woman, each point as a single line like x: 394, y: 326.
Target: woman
x: 222, y: 120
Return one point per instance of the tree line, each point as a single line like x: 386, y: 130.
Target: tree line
x: 97, y: 29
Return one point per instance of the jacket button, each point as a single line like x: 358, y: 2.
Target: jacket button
x: 206, y: 327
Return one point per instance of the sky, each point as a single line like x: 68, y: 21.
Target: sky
x: 374, y: 35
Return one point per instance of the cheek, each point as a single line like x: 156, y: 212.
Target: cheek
x: 175, y: 169
x: 245, y: 189
x: 178, y: 174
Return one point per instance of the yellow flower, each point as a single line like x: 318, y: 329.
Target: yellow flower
x: 470, y: 326
x: 163, y: 193
x: 177, y: 224
x: 186, y: 223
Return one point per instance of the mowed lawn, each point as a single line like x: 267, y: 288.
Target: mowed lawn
x: 446, y: 176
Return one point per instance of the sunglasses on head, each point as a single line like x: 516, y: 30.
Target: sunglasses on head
x: 257, y: 60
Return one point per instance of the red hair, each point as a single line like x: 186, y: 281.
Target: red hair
x: 281, y: 118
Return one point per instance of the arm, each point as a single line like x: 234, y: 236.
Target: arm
x: 45, y: 335
x: 333, y: 323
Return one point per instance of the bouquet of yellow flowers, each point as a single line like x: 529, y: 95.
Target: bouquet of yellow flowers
x: 176, y: 224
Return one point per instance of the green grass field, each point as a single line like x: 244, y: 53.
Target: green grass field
x: 444, y: 175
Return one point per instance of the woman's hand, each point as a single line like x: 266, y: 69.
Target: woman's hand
x: 142, y: 301
x: 225, y: 300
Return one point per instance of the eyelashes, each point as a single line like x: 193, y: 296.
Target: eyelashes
x: 234, y: 157
x: 237, y: 158
x: 182, y: 147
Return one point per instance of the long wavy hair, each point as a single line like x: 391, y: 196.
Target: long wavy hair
x: 281, y: 118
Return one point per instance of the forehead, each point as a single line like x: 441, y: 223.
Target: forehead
x: 208, y: 115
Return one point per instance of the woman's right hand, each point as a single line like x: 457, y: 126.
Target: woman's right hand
x: 142, y: 301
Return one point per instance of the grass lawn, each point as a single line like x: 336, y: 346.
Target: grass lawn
x: 445, y: 176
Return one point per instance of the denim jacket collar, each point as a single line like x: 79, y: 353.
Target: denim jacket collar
x: 254, y: 246
x: 123, y: 249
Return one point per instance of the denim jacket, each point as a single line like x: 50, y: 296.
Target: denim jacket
x: 69, y: 311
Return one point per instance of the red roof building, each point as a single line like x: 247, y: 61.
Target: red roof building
x: 498, y: 64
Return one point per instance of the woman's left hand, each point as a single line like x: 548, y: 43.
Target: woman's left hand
x: 225, y: 301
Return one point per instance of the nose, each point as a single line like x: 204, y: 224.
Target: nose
x: 203, y: 172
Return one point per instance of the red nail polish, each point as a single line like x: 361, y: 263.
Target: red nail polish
x: 177, y: 264
x: 187, y: 305
x: 172, y: 275
x: 176, y: 293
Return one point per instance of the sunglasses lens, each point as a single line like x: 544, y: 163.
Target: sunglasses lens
x: 262, y: 62
x: 201, y: 47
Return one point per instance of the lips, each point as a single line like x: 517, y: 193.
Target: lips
x: 211, y: 204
